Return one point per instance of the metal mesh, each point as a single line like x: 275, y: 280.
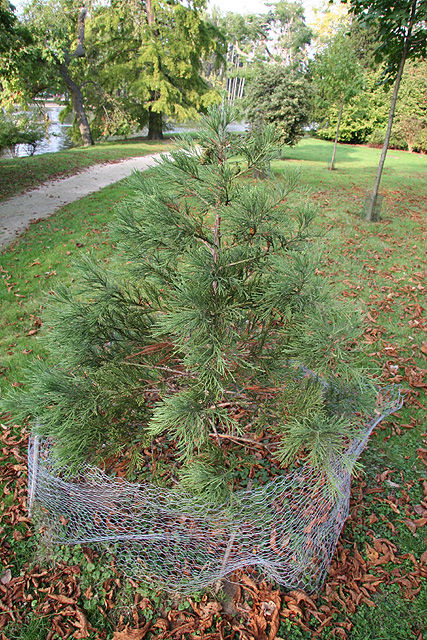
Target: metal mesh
x: 287, y: 529
x: 376, y: 214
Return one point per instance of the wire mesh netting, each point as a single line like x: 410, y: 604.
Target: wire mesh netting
x: 376, y: 214
x: 287, y: 529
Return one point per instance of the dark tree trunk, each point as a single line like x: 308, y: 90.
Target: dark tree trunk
x: 155, y: 120
x: 155, y: 126
x: 75, y: 90
x: 77, y: 100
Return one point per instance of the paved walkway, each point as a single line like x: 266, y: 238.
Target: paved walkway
x: 17, y: 212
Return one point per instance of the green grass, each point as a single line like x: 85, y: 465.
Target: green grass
x: 45, y: 253
x: 380, y: 267
x: 18, y: 174
x: 354, y: 176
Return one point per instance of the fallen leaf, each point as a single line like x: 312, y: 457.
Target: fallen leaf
x: 62, y: 599
x: 6, y: 576
x: 82, y: 626
x: 410, y: 524
x: 132, y: 634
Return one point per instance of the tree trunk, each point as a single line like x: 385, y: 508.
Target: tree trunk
x: 370, y: 214
x: 75, y: 90
x: 155, y: 120
x: 155, y: 126
x: 79, y: 110
x: 336, y: 137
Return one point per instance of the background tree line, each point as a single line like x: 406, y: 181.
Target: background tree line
x: 124, y: 65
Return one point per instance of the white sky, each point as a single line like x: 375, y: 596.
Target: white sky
x: 258, y: 6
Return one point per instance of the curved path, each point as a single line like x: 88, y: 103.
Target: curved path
x: 17, y: 212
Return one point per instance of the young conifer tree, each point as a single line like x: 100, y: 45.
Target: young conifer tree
x: 211, y: 338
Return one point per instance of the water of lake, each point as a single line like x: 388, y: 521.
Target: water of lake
x: 58, y: 134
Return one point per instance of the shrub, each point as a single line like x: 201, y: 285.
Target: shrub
x: 211, y: 337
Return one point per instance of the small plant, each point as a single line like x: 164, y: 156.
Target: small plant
x: 211, y: 345
x: 21, y: 129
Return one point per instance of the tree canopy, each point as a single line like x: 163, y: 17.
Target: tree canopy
x: 398, y: 25
x: 125, y: 63
x: 280, y: 96
x: 152, y: 66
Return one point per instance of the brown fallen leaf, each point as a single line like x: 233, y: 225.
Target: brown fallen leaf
x: 82, y: 625
x: 6, y: 576
x: 410, y: 524
x: 299, y: 596
x: 132, y: 634
x: 62, y: 599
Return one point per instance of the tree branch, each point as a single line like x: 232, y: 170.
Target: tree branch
x: 79, y: 51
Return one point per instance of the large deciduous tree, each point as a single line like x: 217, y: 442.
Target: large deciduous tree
x: 402, y: 35
x: 54, y: 59
x: 290, y: 35
x: 151, y: 58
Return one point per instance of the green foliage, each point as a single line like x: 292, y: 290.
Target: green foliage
x: 18, y: 129
x: 279, y: 96
x: 362, y: 114
x: 212, y: 305
x: 336, y: 71
x: 391, y: 22
x: 337, y: 76
x: 127, y: 67
x: 151, y: 67
x: 13, y: 38
x: 411, y: 113
x: 364, y: 118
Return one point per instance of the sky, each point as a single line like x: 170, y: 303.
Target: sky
x: 257, y: 6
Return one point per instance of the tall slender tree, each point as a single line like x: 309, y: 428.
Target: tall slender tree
x: 402, y: 35
x: 338, y: 76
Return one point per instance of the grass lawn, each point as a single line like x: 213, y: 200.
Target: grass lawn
x: 18, y: 174
x: 377, y: 585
